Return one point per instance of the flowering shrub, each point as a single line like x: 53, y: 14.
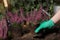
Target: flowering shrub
x: 30, y: 17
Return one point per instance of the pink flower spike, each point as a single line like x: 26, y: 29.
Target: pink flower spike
x: 31, y: 15
x: 15, y: 17
x: 27, y: 17
x: 9, y: 14
x: 19, y: 20
x: 34, y: 15
x: 12, y: 20
x: 1, y: 31
x: 5, y: 28
x: 21, y: 13
x: 38, y: 16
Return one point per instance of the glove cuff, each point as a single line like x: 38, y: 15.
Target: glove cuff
x: 51, y: 23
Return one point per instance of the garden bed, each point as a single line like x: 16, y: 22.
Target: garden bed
x: 22, y: 17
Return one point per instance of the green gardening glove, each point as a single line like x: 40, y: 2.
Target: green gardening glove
x: 46, y: 24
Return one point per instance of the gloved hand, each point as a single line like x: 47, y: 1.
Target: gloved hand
x: 46, y: 24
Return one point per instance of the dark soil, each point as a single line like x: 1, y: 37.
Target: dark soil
x: 28, y: 34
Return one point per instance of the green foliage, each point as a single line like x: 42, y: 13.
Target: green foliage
x: 1, y: 16
x: 1, y: 7
x: 26, y: 4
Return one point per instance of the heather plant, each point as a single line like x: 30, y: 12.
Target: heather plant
x: 30, y: 17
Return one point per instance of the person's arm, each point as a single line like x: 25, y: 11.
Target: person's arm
x: 56, y: 17
x: 50, y: 23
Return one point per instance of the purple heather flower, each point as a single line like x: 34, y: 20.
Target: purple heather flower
x: 3, y: 28
x: 34, y: 15
x: 22, y: 14
x: 27, y: 17
x: 1, y: 31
